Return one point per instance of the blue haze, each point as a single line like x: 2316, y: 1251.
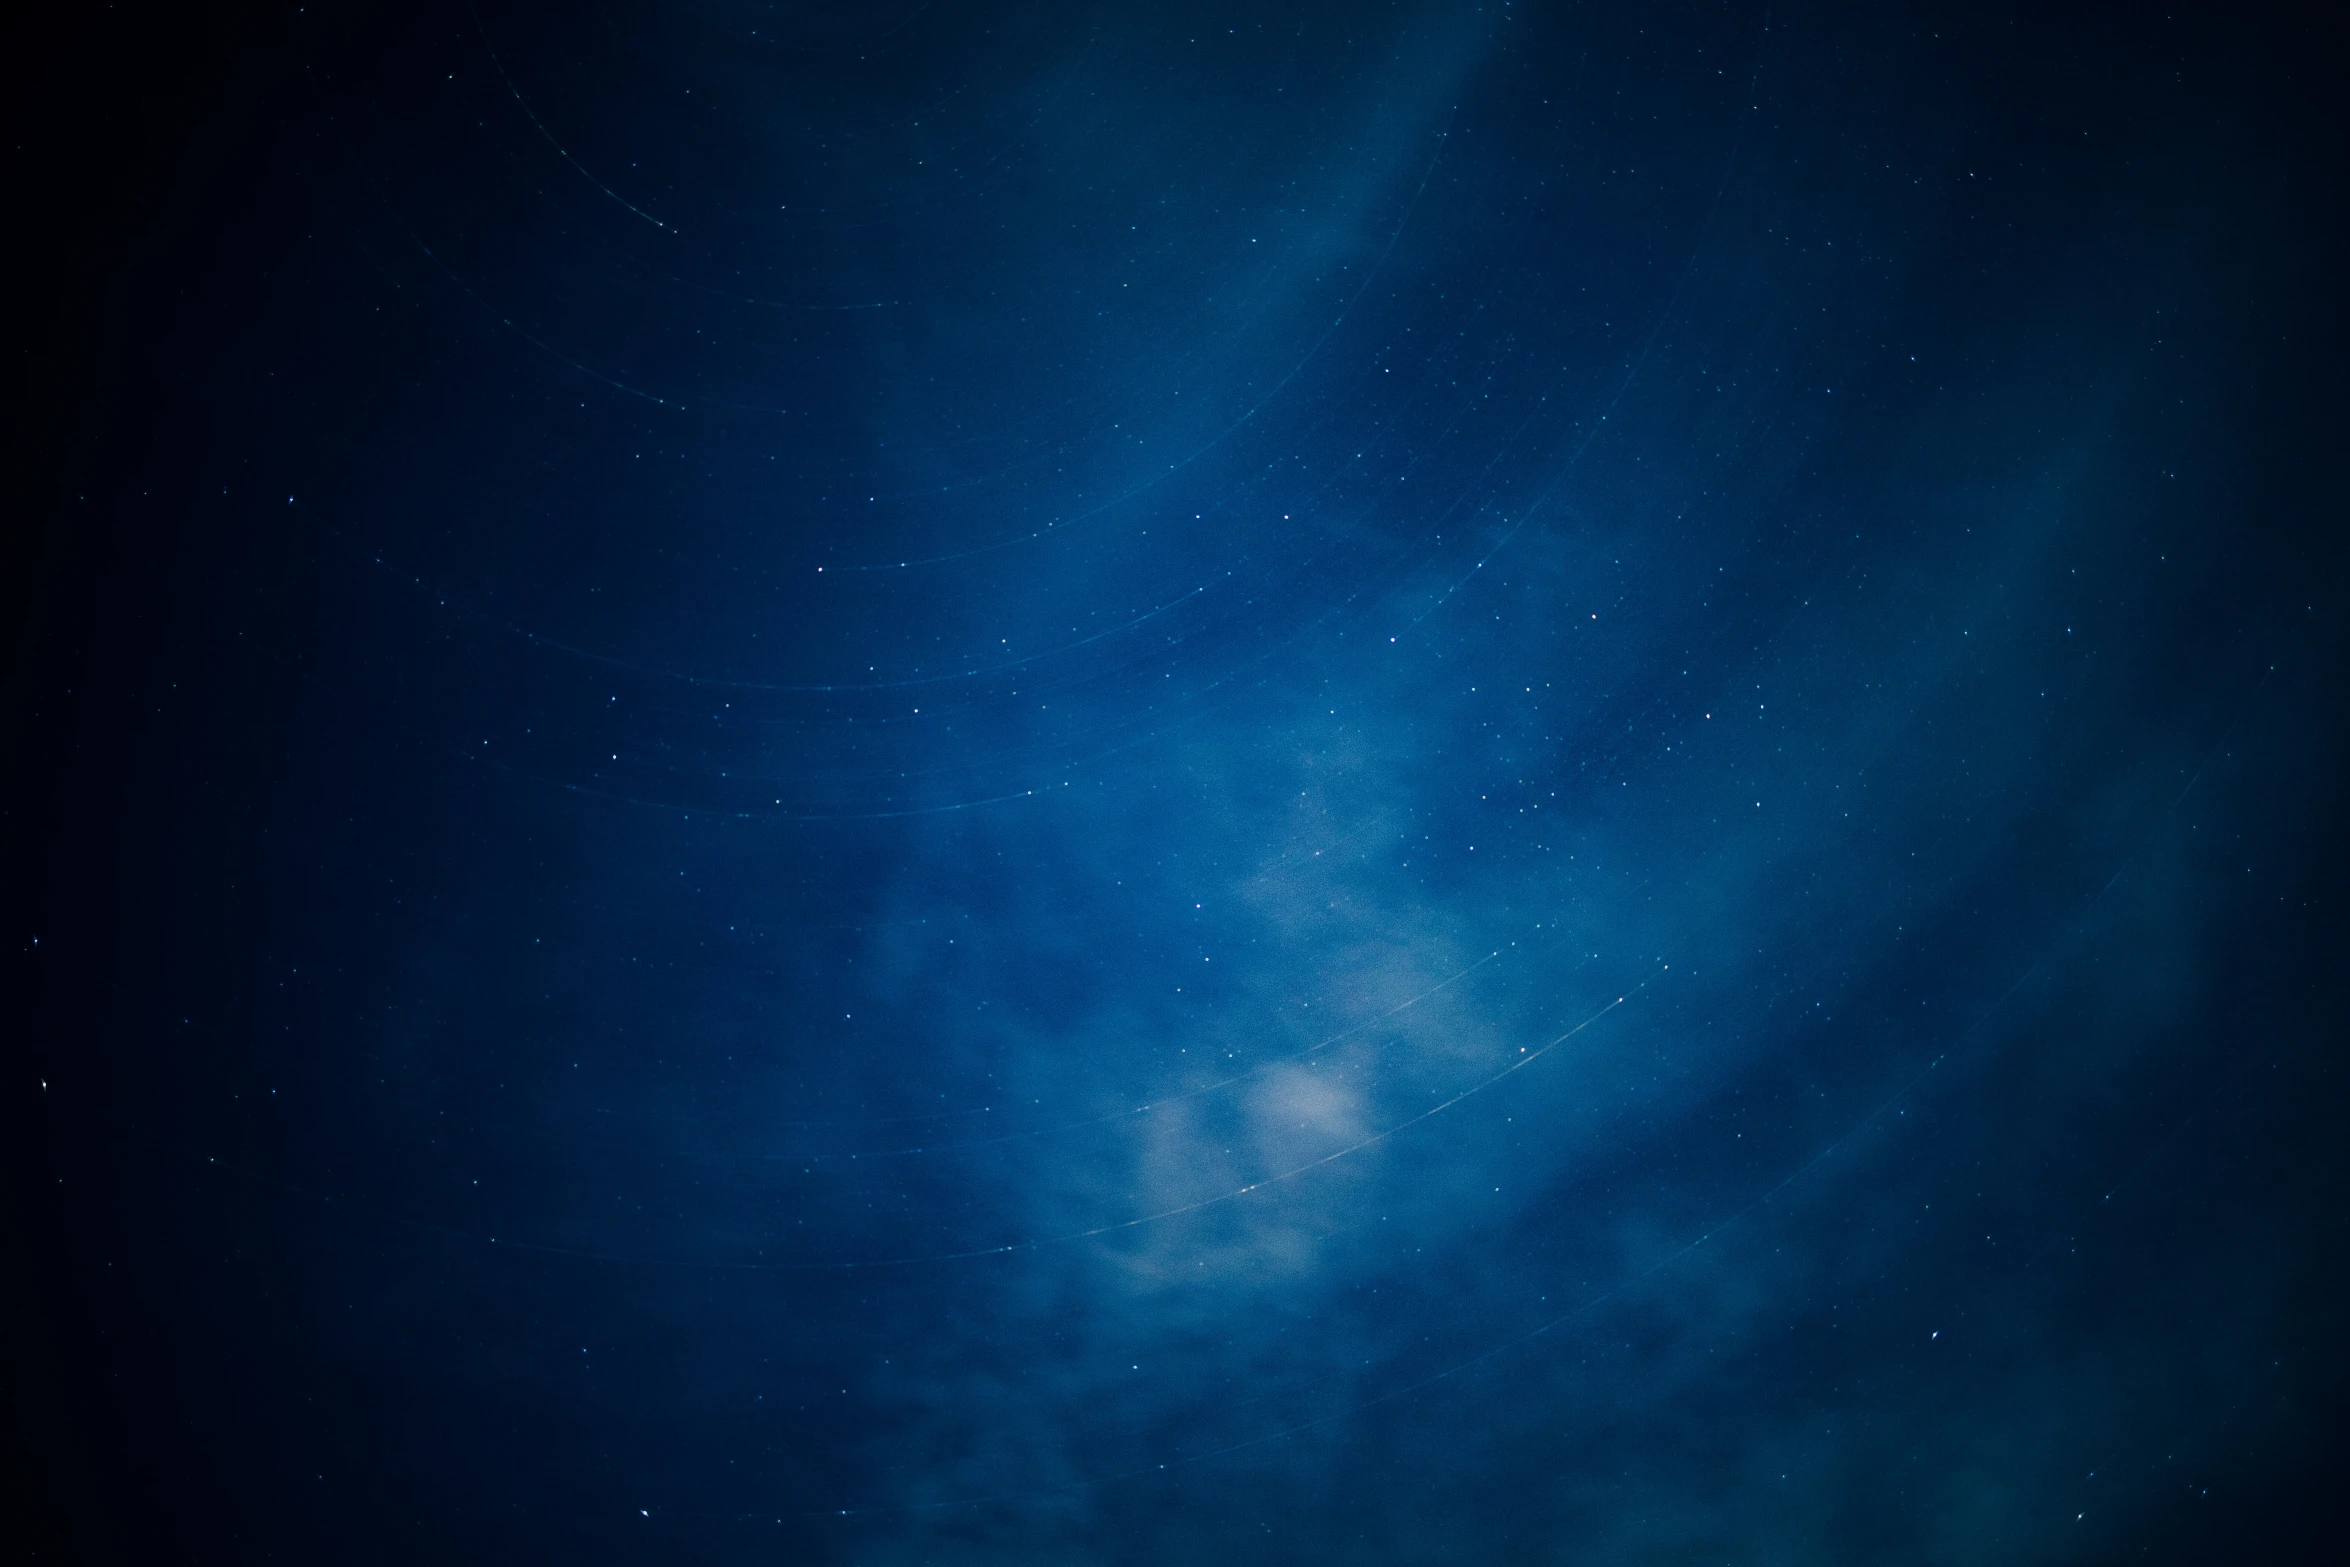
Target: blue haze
x: 1045, y: 784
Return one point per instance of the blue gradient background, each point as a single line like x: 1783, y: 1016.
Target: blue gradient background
x: 1068, y: 784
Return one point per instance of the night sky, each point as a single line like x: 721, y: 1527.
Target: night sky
x: 1062, y: 783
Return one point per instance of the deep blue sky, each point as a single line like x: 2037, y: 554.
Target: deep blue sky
x: 1080, y: 784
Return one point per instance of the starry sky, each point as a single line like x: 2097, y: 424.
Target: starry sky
x: 1057, y: 783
